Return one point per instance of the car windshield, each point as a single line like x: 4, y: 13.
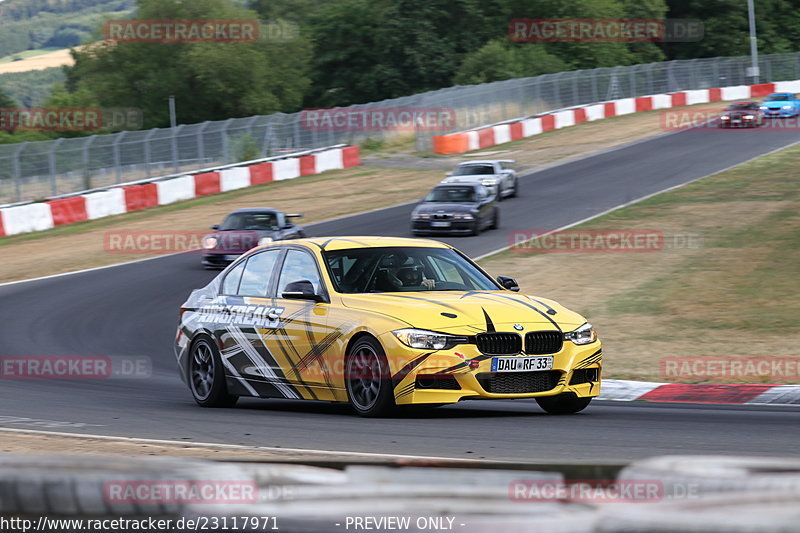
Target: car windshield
x: 250, y: 221
x: 778, y: 98
x: 404, y: 269
x: 451, y: 194
x: 473, y: 170
x: 742, y: 107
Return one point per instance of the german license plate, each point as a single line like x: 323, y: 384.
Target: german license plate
x: 522, y: 364
x: 440, y: 224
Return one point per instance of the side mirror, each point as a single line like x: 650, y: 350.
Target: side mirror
x: 508, y: 283
x: 215, y: 226
x: 301, y: 290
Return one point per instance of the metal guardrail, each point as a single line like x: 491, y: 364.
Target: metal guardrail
x: 34, y: 170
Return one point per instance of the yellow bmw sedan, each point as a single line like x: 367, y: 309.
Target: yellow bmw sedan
x: 380, y: 322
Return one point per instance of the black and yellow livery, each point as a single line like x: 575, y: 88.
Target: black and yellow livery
x: 380, y: 322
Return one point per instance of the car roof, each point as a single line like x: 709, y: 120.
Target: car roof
x: 256, y: 210
x: 346, y: 243
x: 781, y: 94
x: 479, y: 162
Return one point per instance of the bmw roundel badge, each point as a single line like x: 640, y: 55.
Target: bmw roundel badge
x: 518, y: 327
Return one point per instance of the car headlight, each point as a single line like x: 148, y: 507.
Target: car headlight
x: 724, y: 117
x: 463, y: 216
x: 209, y: 243
x: 420, y: 216
x: 786, y: 107
x: 749, y: 117
x: 427, y: 340
x: 264, y: 240
x: 583, y: 335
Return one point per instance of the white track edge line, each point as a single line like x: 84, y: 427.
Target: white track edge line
x: 182, y: 443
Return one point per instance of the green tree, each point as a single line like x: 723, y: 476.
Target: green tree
x: 500, y: 60
x: 210, y: 81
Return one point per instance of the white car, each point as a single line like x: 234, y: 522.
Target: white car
x: 496, y: 175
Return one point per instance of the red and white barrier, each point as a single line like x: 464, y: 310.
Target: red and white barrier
x: 483, y: 137
x: 734, y: 393
x: 117, y: 200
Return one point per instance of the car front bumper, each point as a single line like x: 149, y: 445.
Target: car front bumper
x: 424, y: 227
x: 220, y: 259
x: 779, y: 113
x: 445, y: 376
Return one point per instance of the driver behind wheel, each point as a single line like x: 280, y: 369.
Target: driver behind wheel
x: 414, y: 277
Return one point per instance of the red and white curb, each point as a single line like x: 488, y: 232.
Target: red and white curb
x: 492, y: 135
x: 91, y: 205
x: 716, y: 393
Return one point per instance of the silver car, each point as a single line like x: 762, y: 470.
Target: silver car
x: 494, y: 174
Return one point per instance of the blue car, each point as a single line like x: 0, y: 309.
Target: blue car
x: 780, y: 105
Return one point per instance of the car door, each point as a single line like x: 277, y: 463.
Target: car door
x: 249, y: 315
x: 304, y: 336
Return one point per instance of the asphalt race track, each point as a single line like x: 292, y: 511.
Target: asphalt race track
x: 132, y: 310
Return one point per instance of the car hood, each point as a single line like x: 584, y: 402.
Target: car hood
x: 240, y: 240
x: 476, y: 178
x: 435, y: 207
x: 777, y: 104
x: 475, y: 311
x: 740, y: 113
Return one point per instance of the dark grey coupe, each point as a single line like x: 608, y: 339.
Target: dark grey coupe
x: 458, y: 209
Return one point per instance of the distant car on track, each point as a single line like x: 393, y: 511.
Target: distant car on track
x: 741, y: 115
x: 496, y: 175
x: 780, y: 105
x: 380, y: 322
x: 456, y: 209
x: 245, y: 229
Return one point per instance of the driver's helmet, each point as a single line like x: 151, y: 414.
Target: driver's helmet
x: 410, y: 276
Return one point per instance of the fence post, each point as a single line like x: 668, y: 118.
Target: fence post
x: 87, y: 177
x: 147, y: 150
x: 52, y: 160
x: 225, y: 143
x: 18, y: 170
x: 201, y: 147
x: 117, y: 159
x: 174, y: 142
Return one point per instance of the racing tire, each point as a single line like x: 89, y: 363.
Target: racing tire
x: 206, y: 375
x: 368, y: 379
x: 476, y: 228
x: 563, y: 404
x: 515, y: 190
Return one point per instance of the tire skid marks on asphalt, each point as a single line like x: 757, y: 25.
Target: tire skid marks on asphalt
x: 241, y: 340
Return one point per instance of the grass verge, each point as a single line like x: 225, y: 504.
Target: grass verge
x: 724, y: 284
